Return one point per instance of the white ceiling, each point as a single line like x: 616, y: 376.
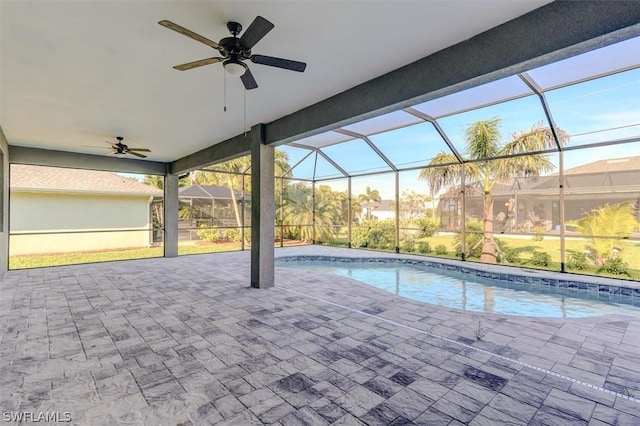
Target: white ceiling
x: 79, y: 73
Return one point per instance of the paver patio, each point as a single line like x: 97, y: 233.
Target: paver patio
x: 187, y: 341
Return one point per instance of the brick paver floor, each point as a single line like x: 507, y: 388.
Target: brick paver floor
x: 187, y: 341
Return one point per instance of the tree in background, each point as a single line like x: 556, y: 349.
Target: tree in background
x: 230, y: 174
x: 299, y: 211
x: 368, y: 199
x: 484, y: 148
x: 413, y: 203
x: 157, y: 208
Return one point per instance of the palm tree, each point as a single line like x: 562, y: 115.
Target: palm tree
x: 368, y: 198
x: 491, y: 160
x: 299, y: 210
x: 608, y: 220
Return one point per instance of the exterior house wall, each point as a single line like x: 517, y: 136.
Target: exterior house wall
x: 383, y: 214
x: 37, y: 217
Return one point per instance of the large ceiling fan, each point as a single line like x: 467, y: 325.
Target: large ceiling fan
x: 234, y: 51
x: 120, y: 150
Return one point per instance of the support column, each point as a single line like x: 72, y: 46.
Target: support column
x: 463, y: 219
x: 397, y: 203
x: 563, y: 254
x: 263, y: 208
x: 349, y: 212
x: 4, y: 205
x: 170, y: 215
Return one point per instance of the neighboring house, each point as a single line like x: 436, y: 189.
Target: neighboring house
x: 521, y: 204
x: 210, y: 205
x: 385, y: 209
x: 55, y: 210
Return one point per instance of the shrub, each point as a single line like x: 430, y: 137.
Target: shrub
x: 235, y: 234
x: 538, y: 233
x: 210, y: 234
x: 577, y: 261
x: 360, y: 236
x: 424, y: 247
x: 382, y: 236
x: 441, y: 249
x: 540, y: 258
x: 511, y: 255
x: 615, y: 266
x: 232, y: 234
x: 407, y: 245
x: 428, y: 227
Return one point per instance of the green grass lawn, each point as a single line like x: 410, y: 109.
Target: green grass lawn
x: 57, y: 259
x: 630, y: 253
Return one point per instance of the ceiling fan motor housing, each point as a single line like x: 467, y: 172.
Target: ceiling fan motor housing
x: 234, y: 28
x: 230, y: 46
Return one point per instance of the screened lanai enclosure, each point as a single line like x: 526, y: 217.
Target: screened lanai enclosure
x: 540, y: 169
x: 208, y: 207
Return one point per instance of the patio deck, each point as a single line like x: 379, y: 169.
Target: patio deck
x: 187, y: 341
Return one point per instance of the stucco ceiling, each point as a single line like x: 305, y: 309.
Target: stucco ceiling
x: 80, y: 73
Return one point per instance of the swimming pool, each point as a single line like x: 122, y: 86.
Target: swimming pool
x: 471, y: 293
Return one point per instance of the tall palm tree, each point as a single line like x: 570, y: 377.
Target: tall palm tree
x: 491, y: 160
x: 368, y: 198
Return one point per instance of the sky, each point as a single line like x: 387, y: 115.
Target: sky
x: 592, y: 111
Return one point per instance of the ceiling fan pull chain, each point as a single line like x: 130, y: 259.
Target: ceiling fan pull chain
x: 244, y: 123
x: 225, y: 91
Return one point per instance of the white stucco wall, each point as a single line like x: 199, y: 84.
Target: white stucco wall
x: 35, y: 212
x: 383, y: 214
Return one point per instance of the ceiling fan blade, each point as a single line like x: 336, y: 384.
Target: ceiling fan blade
x: 140, y: 149
x: 286, y: 64
x: 177, y: 28
x: 252, y: 35
x: 248, y: 80
x: 195, y: 64
x: 136, y: 154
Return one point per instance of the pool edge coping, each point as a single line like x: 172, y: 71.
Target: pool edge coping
x: 617, y: 289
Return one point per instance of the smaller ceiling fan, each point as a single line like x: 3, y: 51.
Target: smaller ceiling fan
x: 234, y: 51
x: 120, y: 150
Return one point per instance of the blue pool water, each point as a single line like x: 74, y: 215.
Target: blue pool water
x: 471, y: 293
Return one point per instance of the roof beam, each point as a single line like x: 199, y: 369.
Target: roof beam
x: 74, y: 160
x: 229, y: 149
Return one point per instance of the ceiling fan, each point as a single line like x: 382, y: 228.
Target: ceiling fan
x: 234, y: 51
x: 120, y: 150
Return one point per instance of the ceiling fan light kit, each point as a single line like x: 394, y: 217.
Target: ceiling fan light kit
x: 234, y: 67
x: 234, y: 51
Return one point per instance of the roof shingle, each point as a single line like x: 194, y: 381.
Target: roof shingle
x: 57, y: 179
